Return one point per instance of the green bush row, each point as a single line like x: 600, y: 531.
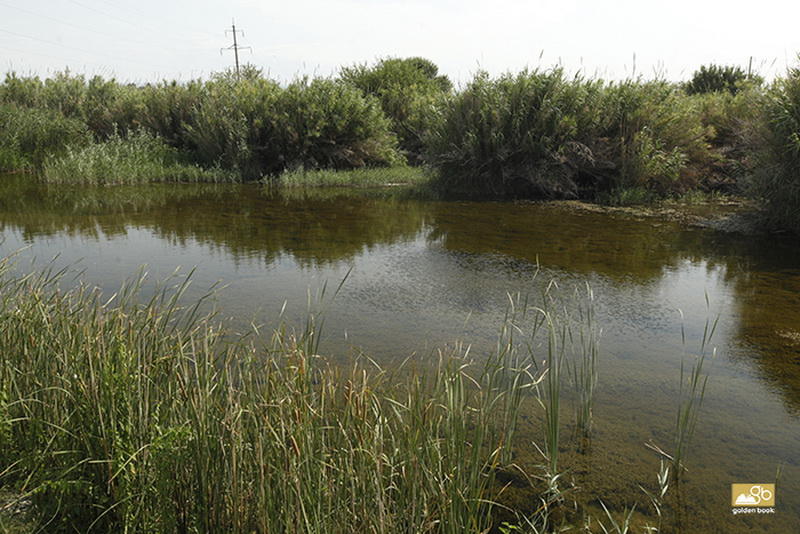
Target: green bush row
x: 531, y: 134
x: 541, y: 133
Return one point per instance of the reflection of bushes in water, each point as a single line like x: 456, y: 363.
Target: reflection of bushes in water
x: 767, y: 312
x: 47, y: 210
x: 618, y: 247
x: 313, y: 226
x: 314, y: 231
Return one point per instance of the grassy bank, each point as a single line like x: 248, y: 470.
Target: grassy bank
x: 533, y: 134
x: 375, y: 177
x: 136, y: 159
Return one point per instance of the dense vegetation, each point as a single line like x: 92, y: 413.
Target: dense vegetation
x: 776, y: 178
x: 537, y: 133
x: 134, y: 417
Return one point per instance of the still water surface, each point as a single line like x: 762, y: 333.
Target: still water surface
x: 425, y: 274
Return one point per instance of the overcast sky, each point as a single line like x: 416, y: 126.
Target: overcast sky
x: 145, y: 40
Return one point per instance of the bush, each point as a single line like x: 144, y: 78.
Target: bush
x: 541, y: 134
x: 28, y: 136
x: 514, y: 135
x: 648, y: 134
x: 138, y: 158
x: 776, y: 179
x: 258, y: 128
x: 718, y: 78
x: 411, y: 92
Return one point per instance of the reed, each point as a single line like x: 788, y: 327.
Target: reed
x: 138, y: 158
x: 126, y: 414
x: 584, y: 362
x: 776, y: 178
x: 691, y: 392
x: 371, y: 177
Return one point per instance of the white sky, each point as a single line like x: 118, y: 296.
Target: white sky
x: 146, y: 40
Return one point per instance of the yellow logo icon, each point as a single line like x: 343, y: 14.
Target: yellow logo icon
x: 756, y: 495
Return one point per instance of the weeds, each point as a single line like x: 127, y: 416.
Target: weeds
x: 143, y: 417
x: 584, y: 363
x: 776, y: 180
x: 138, y: 158
x: 374, y: 177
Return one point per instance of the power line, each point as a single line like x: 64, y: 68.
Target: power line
x: 235, y: 46
x: 60, y: 58
x: 84, y: 50
x: 65, y: 23
x: 143, y: 16
x: 119, y: 19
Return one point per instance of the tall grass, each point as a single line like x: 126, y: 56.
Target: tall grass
x: 138, y: 158
x: 372, y: 177
x: 29, y: 136
x: 691, y: 393
x: 776, y: 179
x: 124, y: 415
x: 585, y: 362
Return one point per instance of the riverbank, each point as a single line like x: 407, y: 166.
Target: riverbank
x: 539, y: 133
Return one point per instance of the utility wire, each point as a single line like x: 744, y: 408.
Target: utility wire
x: 119, y: 19
x: 82, y: 28
x: 61, y: 45
x: 144, y: 16
x: 59, y: 58
x: 136, y: 25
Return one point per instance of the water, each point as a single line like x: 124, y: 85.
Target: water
x: 425, y: 274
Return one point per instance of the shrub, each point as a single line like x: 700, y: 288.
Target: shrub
x: 328, y: 124
x: 718, y: 78
x: 257, y: 128
x: 234, y: 126
x: 411, y: 92
x: 648, y: 134
x: 28, y: 136
x: 514, y: 135
x: 541, y: 134
x: 776, y: 179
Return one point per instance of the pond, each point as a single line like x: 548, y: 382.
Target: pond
x: 423, y: 274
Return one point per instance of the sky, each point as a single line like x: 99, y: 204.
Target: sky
x: 149, y: 40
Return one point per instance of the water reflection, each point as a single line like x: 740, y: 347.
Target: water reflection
x: 428, y: 272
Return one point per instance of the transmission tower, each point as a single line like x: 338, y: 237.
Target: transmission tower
x: 235, y: 46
